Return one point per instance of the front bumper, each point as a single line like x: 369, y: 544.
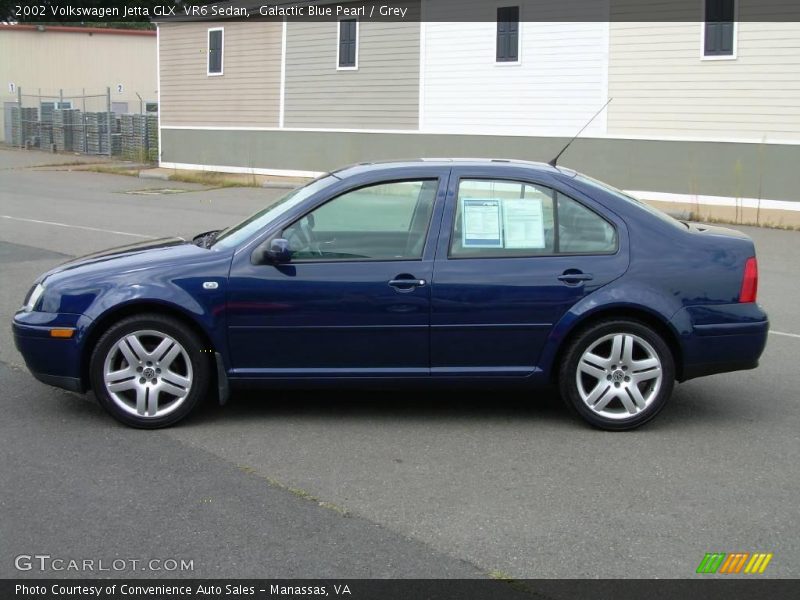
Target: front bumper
x: 720, y: 338
x: 54, y: 361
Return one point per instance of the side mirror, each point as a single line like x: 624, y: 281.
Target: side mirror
x: 278, y: 252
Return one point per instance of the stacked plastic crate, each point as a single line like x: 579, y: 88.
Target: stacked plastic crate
x: 24, y: 126
x: 96, y: 127
x: 66, y: 122
x: 139, y: 137
x: 152, y: 137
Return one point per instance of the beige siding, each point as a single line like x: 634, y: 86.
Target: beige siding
x: 662, y: 86
x: 248, y: 91
x: 383, y: 93
x: 49, y: 62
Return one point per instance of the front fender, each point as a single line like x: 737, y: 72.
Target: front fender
x: 181, y: 289
x: 184, y: 294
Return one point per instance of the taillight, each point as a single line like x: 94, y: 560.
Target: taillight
x: 749, y: 281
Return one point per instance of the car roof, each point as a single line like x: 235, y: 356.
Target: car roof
x: 498, y: 163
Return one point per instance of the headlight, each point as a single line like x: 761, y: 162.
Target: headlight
x: 34, y: 296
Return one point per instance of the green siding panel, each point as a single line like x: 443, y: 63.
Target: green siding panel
x: 683, y: 167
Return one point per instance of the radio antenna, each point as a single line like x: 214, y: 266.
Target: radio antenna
x: 554, y: 162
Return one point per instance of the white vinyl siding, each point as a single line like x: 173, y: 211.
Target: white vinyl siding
x: 557, y: 85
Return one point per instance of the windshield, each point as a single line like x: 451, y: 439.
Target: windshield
x: 235, y: 235
x: 628, y: 198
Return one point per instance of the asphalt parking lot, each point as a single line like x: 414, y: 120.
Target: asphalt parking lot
x: 380, y: 484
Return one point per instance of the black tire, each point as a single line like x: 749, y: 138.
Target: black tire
x: 616, y: 381
x: 196, y: 370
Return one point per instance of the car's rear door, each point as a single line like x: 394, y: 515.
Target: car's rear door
x: 514, y: 255
x: 355, y: 299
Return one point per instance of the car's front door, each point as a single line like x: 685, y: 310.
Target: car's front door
x: 513, y: 257
x: 354, y: 301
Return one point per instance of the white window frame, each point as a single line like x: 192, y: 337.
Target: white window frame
x: 714, y: 57
x: 221, y: 52
x: 508, y: 63
x: 338, y: 43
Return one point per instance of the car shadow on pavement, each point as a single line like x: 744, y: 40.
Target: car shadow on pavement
x: 408, y: 404
x: 692, y: 405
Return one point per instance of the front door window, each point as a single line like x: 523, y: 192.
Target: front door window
x: 388, y: 221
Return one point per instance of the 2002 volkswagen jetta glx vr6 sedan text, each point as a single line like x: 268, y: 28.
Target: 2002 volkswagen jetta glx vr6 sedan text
x: 460, y: 271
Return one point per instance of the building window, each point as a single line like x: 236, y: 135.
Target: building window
x: 215, y: 50
x: 508, y: 34
x: 348, y: 44
x: 719, y: 28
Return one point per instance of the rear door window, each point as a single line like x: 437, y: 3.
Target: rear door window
x: 505, y: 218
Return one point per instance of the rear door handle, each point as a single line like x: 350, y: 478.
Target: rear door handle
x: 575, y: 277
x: 406, y: 284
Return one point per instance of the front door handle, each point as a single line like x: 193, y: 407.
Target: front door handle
x: 406, y: 283
x: 574, y: 276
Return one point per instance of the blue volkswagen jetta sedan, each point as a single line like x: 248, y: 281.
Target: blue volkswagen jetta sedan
x: 448, y: 271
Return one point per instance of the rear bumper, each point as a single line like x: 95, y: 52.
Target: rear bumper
x: 54, y: 361
x: 720, y: 338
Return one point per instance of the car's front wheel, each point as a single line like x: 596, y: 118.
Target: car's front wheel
x: 617, y: 374
x: 149, y: 371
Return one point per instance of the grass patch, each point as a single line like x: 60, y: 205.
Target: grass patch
x: 213, y: 179
x: 519, y: 586
x: 763, y: 224
x: 113, y: 170
x: 335, y: 508
x: 71, y: 163
x: 300, y: 493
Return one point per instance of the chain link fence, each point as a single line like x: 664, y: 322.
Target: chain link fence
x: 83, y: 123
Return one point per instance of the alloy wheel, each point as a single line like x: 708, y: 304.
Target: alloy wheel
x: 619, y: 376
x: 148, y: 374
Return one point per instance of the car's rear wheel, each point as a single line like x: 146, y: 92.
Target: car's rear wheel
x: 149, y: 371
x: 617, y: 374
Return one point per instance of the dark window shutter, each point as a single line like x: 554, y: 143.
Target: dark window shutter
x: 712, y: 38
x: 215, y: 51
x: 719, y: 15
x: 712, y: 10
x: 347, y: 43
x: 507, y: 34
x: 726, y: 38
